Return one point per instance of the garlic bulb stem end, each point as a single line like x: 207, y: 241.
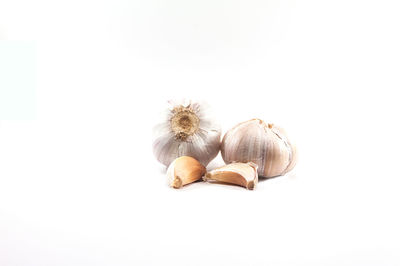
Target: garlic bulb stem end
x: 184, y: 122
x: 186, y: 128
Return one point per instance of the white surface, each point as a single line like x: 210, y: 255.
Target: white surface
x: 79, y: 184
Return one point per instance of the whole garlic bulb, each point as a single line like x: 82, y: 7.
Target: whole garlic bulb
x: 263, y: 144
x: 187, y: 129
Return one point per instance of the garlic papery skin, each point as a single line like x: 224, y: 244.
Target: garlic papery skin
x: 263, y: 144
x: 242, y: 174
x: 184, y: 170
x: 186, y: 129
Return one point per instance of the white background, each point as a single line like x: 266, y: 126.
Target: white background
x: 79, y: 184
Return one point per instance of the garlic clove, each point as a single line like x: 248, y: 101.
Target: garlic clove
x: 242, y: 174
x: 263, y: 144
x: 184, y: 170
x: 292, y: 149
x: 187, y: 128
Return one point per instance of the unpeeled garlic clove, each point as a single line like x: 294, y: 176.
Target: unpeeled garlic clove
x: 184, y: 170
x: 263, y: 144
x: 242, y: 174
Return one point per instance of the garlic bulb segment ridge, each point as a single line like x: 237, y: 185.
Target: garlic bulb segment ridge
x: 186, y: 129
x: 184, y: 170
x: 264, y: 144
x: 242, y: 174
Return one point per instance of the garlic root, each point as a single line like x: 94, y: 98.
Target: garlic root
x: 186, y: 129
x: 242, y: 174
x: 184, y: 170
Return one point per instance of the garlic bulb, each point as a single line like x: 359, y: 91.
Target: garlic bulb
x: 263, y: 144
x: 184, y: 170
x: 187, y: 129
x: 242, y: 174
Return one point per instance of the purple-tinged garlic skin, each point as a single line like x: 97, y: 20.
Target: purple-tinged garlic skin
x: 263, y: 144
